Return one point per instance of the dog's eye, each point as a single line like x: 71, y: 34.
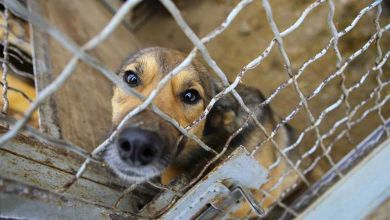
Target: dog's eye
x: 131, y: 78
x: 190, y: 96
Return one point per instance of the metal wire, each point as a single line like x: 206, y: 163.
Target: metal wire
x: 274, y: 28
x: 170, y: 6
x: 321, y: 86
x: 330, y: 108
x: 48, y: 139
x: 4, y: 63
x: 333, y: 28
x: 380, y: 70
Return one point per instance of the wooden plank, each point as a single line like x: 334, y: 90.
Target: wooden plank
x: 83, y: 103
x: 60, y: 159
x: 47, y: 117
x: 32, y: 162
x: 356, y: 195
x: 20, y: 201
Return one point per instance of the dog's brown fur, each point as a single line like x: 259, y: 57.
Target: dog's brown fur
x: 226, y: 117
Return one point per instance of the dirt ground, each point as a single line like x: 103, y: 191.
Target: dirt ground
x: 250, y: 34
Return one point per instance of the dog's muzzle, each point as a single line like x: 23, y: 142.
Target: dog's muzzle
x: 140, y: 153
x: 138, y: 147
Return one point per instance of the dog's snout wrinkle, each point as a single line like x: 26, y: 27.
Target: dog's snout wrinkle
x: 139, y: 147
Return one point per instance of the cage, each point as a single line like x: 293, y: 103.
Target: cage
x: 322, y: 66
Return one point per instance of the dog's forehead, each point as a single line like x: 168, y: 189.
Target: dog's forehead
x: 162, y: 61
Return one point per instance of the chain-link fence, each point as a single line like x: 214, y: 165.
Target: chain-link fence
x: 325, y: 139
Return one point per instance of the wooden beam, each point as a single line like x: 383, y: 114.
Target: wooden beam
x: 21, y: 201
x: 48, y: 121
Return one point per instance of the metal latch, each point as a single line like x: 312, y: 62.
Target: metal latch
x: 229, y: 204
x: 240, y: 171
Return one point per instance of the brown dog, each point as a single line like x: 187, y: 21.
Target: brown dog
x: 148, y: 144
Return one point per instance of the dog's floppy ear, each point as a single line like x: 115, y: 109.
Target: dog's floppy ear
x: 223, y: 115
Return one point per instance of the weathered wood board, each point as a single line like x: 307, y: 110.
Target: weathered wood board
x: 21, y: 201
x: 34, y: 163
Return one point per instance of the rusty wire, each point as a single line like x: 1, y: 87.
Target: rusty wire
x: 69, y: 68
x: 319, y: 88
x: 258, y: 60
x: 32, y: 132
x: 5, y: 61
x: 286, y: 59
x: 380, y: 70
x: 336, y: 125
x: 340, y: 135
x: 39, y: 22
x: 20, y: 92
x: 170, y: 6
x: 332, y: 107
x: 338, y: 102
x: 329, y: 109
x: 341, y: 65
x: 333, y: 29
x: 362, y: 12
x: 337, y: 72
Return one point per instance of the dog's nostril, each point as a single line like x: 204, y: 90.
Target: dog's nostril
x: 147, y: 154
x: 125, y: 145
x: 139, y: 147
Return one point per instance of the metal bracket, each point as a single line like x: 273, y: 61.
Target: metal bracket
x: 256, y: 207
x: 200, y: 201
x: 230, y: 203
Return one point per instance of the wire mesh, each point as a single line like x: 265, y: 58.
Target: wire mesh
x: 324, y: 139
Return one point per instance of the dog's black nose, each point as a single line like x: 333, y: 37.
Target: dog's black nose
x: 138, y: 146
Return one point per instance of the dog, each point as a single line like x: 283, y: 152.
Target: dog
x: 150, y: 147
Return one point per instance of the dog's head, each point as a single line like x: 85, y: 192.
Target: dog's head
x: 148, y: 144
